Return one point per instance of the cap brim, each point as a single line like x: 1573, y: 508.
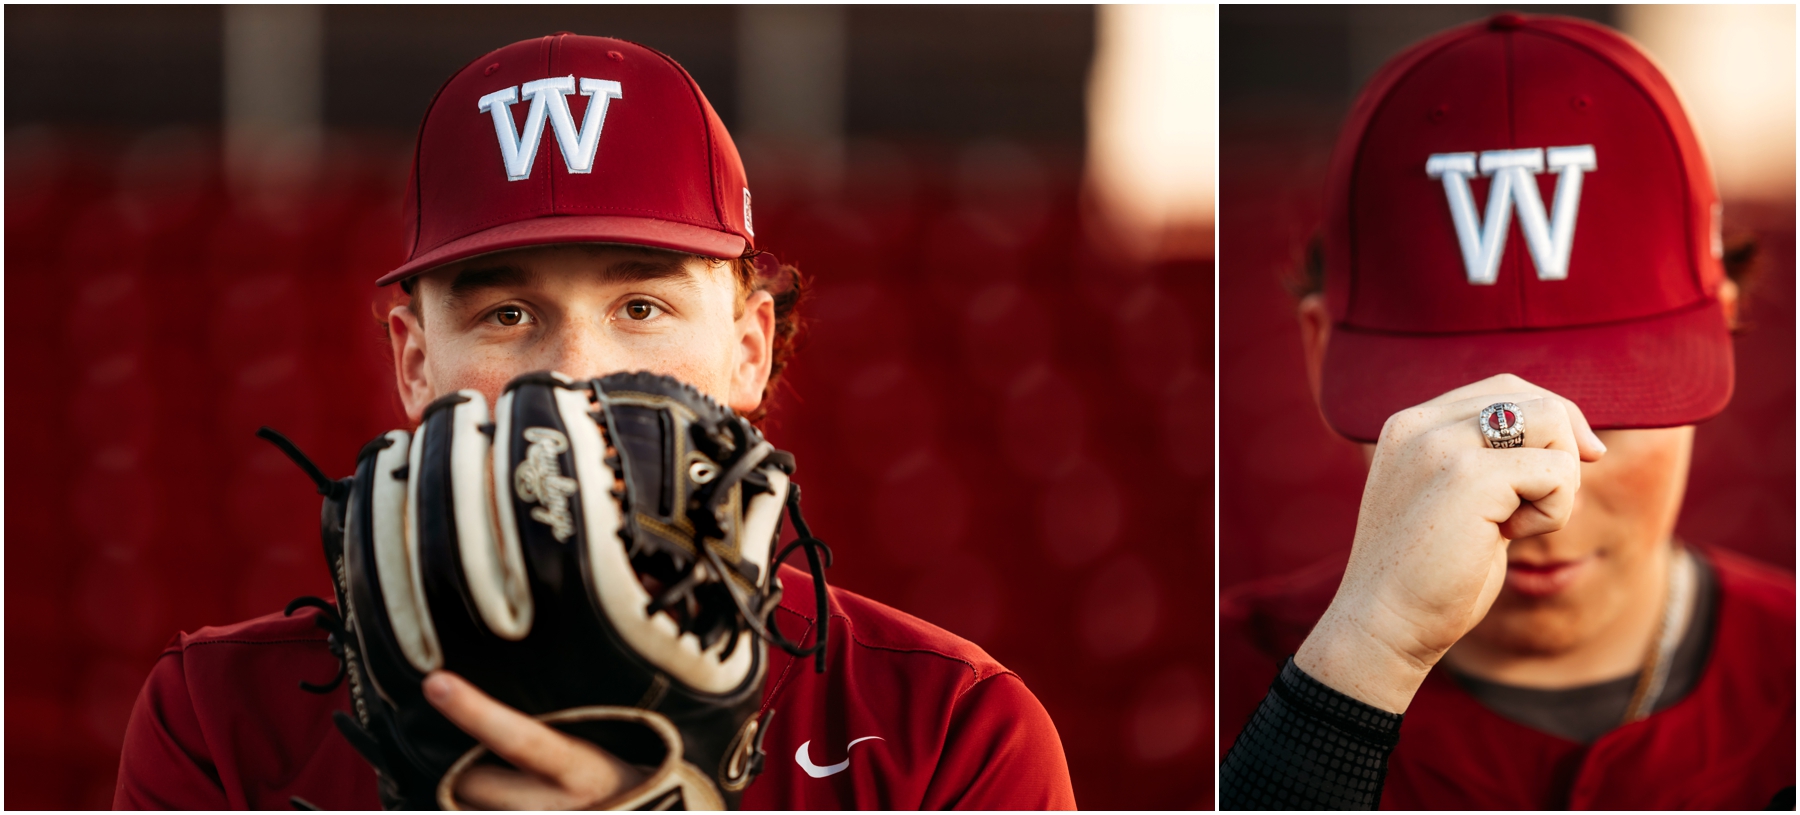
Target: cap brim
x: 552, y: 229
x: 1665, y: 371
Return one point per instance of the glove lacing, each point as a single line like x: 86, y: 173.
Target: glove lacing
x: 328, y: 618
x: 739, y: 460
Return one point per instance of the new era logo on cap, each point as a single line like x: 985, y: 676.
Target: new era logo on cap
x: 1471, y: 230
x: 641, y: 158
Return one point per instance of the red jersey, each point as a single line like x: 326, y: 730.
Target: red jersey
x: 1728, y: 745
x: 937, y: 724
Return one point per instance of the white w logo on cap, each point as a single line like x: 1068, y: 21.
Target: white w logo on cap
x: 1482, y: 239
x: 549, y: 97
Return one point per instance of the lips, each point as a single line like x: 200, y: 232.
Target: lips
x: 1545, y: 579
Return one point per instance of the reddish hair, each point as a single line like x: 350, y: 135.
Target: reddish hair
x: 788, y: 288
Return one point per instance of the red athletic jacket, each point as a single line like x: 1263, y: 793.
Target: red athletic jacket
x: 1728, y: 745
x: 221, y: 723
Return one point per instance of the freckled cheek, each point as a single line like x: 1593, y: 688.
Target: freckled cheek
x: 1630, y: 495
x: 691, y: 364
x: 474, y: 371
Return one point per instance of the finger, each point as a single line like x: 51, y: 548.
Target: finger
x: 526, y: 743
x: 585, y: 772
x: 1542, y: 484
x: 1569, y: 431
x: 1459, y: 423
x: 1545, y: 419
x: 1530, y: 520
x: 1548, y: 426
x: 1479, y: 396
x: 1550, y: 421
x: 1592, y: 448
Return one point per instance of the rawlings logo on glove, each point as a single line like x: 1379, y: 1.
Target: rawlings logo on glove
x: 621, y: 590
x: 540, y: 480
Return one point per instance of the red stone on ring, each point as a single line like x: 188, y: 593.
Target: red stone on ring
x: 1500, y: 419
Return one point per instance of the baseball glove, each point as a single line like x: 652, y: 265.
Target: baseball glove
x: 599, y: 554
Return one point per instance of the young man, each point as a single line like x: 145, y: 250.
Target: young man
x: 576, y: 205
x: 1526, y: 398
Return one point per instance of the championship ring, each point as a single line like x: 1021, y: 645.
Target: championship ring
x: 1503, y: 425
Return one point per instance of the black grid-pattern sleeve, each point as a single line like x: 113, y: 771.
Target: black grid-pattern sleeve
x: 1308, y: 747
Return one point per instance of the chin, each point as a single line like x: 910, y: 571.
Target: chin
x: 1535, y: 626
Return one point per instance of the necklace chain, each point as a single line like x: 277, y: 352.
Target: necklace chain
x: 1678, y: 601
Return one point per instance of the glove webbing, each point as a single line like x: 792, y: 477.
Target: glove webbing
x: 758, y: 613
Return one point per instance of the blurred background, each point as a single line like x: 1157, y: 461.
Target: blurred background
x: 1002, y: 408
x: 1289, y: 486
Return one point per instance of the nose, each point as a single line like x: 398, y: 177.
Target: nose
x: 580, y: 348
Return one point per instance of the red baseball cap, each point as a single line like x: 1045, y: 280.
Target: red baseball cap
x: 572, y: 139
x: 1523, y: 195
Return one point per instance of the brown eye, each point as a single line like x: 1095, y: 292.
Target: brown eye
x: 510, y: 316
x: 639, y: 310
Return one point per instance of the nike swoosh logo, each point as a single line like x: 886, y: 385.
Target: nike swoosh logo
x: 817, y: 771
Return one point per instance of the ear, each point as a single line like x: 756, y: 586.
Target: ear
x: 755, y: 352
x: 1315, y: 334
x: 1728, y: 302
x: 407, y: 337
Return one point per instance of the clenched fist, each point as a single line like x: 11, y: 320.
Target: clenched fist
x: 1437, y: 513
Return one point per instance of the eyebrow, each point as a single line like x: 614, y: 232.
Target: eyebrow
x: 644, y: 270
x: 647, y: 266
x: 469, y: 281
